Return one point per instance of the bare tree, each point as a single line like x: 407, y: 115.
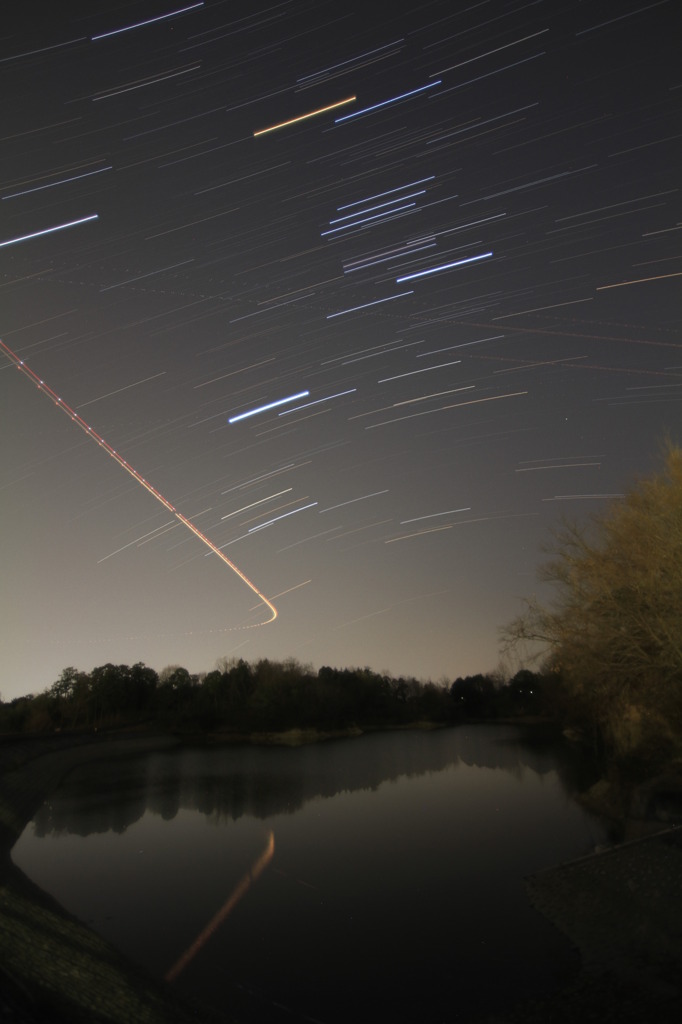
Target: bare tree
x: 614, y: 628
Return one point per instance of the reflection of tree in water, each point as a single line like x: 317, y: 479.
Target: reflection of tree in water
x: 229, y: 782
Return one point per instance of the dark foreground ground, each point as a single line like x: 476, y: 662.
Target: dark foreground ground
x: 54, y: 970
x: 621, y: 907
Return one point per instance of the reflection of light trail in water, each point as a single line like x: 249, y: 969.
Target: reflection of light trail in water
x: 242, y: 886
x: 79, y: 421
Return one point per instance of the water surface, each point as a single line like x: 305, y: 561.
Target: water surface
x: 371, y: 878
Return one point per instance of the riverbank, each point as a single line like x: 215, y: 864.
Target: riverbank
x: 620, y: 907
x: 53, y: 968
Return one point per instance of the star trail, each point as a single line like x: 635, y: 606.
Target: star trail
x: 376, y: 301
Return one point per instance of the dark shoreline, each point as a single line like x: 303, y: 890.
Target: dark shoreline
x: 55, y: 969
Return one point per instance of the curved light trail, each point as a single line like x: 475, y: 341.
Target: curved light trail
x: 79, y: 421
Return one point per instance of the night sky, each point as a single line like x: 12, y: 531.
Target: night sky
x: 463, y: 258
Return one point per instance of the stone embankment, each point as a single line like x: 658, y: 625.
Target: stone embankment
x: 622, y: 909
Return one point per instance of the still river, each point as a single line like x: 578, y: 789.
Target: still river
x: 365, y: 879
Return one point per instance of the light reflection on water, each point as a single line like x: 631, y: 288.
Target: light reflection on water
x: 393, y: 887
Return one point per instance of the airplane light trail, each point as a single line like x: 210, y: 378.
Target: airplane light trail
x: 80, y: 422
x: 304, y: 117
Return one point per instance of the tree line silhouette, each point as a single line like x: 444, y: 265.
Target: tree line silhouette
x: 609, y: 646
x: 242, y: 698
